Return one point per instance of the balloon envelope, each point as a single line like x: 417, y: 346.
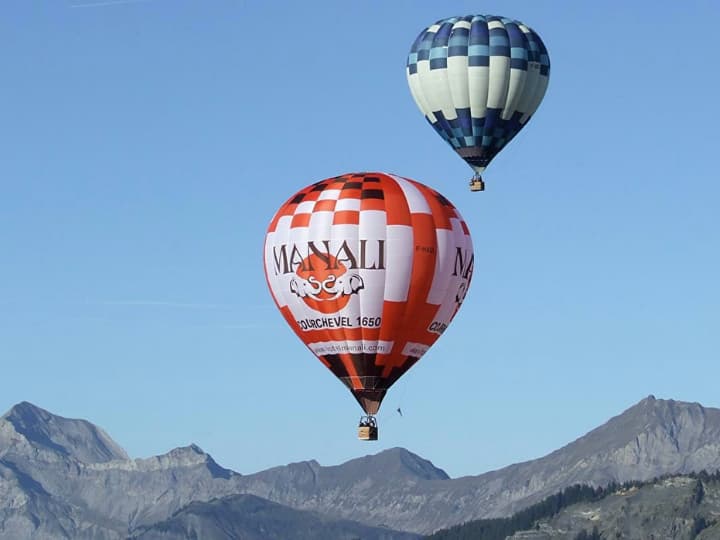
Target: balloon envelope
x: 478, y: 79
x: 368, y: 269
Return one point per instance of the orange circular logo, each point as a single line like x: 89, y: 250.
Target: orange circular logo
x: 324, y: 283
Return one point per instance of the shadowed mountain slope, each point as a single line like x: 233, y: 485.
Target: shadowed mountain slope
x: 252, y: 518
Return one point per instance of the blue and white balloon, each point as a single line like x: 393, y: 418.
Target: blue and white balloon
x: 478, y: 79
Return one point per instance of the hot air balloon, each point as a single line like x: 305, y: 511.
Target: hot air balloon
x: 478, y: 79
x: 368, y: 269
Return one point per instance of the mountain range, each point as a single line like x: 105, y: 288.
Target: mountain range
x: 66, y: 478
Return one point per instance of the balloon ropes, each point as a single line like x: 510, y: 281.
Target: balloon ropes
x: 478, y: 79
x: 368, y: 269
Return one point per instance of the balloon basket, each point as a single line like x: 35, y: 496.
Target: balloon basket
x: 476, y: 184
x: 367, y: 429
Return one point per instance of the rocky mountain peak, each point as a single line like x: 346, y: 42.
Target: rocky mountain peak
x: 75, y: 438
x: 396, y: 463
x: 687, y: 425
x: 192, y: 452
x: 649, y: 425
x: 188, y: 456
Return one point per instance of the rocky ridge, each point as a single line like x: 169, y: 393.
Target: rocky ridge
x: 650, y: 439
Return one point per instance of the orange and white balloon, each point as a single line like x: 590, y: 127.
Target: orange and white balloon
x: 368, y: 269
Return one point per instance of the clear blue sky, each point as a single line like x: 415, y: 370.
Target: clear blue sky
x: 144, y: 147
